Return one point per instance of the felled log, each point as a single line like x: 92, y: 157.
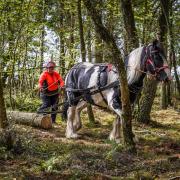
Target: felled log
x: 30, y: 119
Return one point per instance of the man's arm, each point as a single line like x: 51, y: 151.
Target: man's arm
x: 41, y: 80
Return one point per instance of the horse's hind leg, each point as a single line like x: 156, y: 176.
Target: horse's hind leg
x: 77, y: 121
x: 70, y: 133
x: 115, y: 133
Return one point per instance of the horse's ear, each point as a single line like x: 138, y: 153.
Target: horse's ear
x: 155, y: 43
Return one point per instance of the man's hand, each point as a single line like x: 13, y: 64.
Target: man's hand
x: 62, y: 91
x: 41, y: 90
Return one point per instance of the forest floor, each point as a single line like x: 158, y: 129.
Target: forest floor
x: 49, y: 155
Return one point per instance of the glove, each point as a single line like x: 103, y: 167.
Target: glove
x: 41, y: 90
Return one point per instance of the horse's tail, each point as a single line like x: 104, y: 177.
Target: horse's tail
x: 65, y: 107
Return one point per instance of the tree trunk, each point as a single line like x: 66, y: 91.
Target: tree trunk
x: 89, y: 107
x: 168, y: 90
x: 129, y: 24
x: 175, y: 70
x: 172, y: 50
x: 98, y: 49
x: 150, y: 86
x: 62, y: 38
x: 163, y: 96
x: 146, y: 101
x: 3, y: 117
x: 83, y: 55
x: 89, y: 46
x: 163, y: 29
x: 62, y: 53
x: 144, y: 39
x: 126, y: 107
x: 81, y: 32
x: 42, y: 36
x: 30, y: 119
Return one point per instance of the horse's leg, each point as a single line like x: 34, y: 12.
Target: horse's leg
x: 70, y: 117
x: 77, y: 121
x: 115, y: 133
x: 114, y: 104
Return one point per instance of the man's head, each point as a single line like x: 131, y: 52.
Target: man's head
x: 50, y: 66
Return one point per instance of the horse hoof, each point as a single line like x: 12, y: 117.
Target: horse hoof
x: 72, y: 136
x: 135, y: 139
x: 117, y: 140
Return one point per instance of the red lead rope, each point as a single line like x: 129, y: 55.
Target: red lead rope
x: 161, y: 68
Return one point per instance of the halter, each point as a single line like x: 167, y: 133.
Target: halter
x: 149, y: 60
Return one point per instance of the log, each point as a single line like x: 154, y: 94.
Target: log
x: 30, y: 119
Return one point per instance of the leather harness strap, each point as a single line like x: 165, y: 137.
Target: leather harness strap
x: 101, y: 86
x: 99, y: 83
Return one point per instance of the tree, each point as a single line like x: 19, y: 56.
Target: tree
x: 150, y: 86
x: 83, y: 54
x: 129, y: 24
x: 163, y: 30
x: 126, y: 107
x: 172, y: 45
x: 3, y: 117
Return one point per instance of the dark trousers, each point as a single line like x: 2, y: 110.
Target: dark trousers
x: 49, y: 101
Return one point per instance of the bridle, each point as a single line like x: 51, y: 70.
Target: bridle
x: 148, y: 59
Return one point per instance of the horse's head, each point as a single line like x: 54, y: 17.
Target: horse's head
x: 156, y: 63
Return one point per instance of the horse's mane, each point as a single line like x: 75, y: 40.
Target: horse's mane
x: 134, y: 63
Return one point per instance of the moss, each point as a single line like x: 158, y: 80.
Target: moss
x: 49, y: 154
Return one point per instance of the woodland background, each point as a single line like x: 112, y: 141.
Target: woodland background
x: 34, y: 31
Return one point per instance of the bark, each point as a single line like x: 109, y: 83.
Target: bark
x: 98, y: 49
x: 3, y: 117
x: 172, y: 50
x: 129, y: 24
x: 42, y: 49
x: 163, y: 103
x: 146, y: 101
x: 169, y: 94
x: 62, y: 41
x: 89, y: 107
x: 83, y: 55
x: 126, y: 107
x: 163, y: 29
x: 174, y: 65
x: 42, y: 36
x: 89, y: 46
x: 81, y: 32
x: 30, y: 119
x: 144, y: 38
x: 62, y: 54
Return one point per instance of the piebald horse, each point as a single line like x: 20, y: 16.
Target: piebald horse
x: 85, y: 77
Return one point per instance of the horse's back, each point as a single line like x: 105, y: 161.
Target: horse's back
x: 83, y: 75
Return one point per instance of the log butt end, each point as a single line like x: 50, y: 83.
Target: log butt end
x: 46, y: 122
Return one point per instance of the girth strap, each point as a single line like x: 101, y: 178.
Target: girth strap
x: 101, y: 70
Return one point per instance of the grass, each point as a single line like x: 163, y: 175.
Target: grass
x: 49, y: 155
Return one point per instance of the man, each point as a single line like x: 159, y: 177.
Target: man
x: 49, y: 83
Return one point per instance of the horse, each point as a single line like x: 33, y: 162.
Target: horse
x: 84, y: 77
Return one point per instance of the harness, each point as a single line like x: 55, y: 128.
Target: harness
x: 99, y: 88
x: 100, y: 83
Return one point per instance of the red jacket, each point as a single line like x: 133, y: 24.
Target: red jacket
x: 52, y: 80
